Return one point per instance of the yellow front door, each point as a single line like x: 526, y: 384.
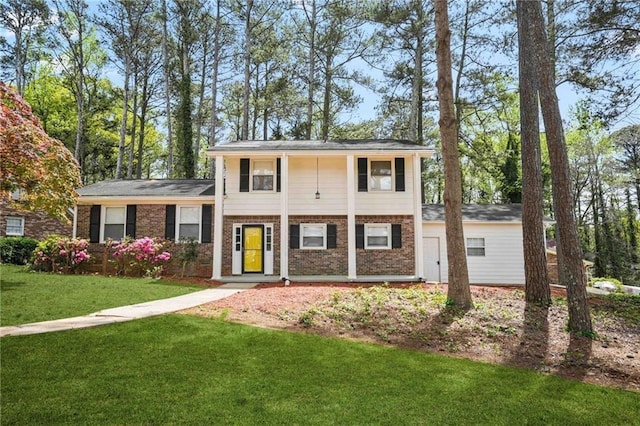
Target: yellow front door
x: 252, y: 258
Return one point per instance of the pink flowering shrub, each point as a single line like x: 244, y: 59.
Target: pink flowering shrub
x: 144, y: 256
x: 60, y: 254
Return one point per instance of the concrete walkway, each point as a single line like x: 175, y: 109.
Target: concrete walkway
x: 130, y: 312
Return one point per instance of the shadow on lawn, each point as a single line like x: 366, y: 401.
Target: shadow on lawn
x: 11, y: 285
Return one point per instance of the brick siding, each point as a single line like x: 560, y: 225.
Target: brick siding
x: 399, y: 261
x: 150, y: 222
x: 37, y: 225
x: 321, y: 262
x: 227, y: 239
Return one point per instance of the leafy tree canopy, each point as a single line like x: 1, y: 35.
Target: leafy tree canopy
x: 39, y: 166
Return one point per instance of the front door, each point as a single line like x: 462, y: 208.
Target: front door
x: 252, y: 259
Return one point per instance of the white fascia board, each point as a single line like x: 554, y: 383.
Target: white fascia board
x: 327, y: 153
x: 144, y: 200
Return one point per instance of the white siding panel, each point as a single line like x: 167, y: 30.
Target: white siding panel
x: 239, y: 203
x: 503, y: 262
x: 388, y: 202
x: 327, y: 175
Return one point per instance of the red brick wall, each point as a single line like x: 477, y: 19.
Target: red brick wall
x: 321, y: 262
x: 227, y: 239
x: 150, y: 222
x: 36, y: 225
x: 398, y: 261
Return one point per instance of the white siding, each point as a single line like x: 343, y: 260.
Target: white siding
x: 388, y: 202
x: 330, y: 181
x: 239, y: 203
x: 503, y: 262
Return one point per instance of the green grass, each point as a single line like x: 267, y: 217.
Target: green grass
x: 179, y: 369
x: 31, y: 297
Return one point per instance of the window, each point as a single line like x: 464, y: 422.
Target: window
x: 15, y: 226
x: 377, y: 236
x: 475, y: 246
x: 114, y: 221
x: 313, y: 236
x: 263, y: 172
x: 381, y: 175
x: 188, y: 223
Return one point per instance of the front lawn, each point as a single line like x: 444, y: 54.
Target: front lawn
x: 179, y: 369
x: 32, y: 297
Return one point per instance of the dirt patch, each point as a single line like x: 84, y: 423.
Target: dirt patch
x: 498, y: 330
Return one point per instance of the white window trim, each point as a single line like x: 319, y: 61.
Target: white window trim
x: 103, y: 217
x: 178, y: 223
x: 368, y: 226
x: 393, y: 175
x: 483, y: 247
x: 275, y: 172
x: 324, y: 235
x: 14, y: 234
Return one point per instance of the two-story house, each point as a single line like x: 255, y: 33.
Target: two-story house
x: 307, y: 210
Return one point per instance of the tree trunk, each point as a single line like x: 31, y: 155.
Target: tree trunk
x: 571, y: 270
x: 134, y: 124
x: 415, y: 132
x: 123, y: 120
x: 326, y: 103
x: 167, y: 91
x: 459, y: 293
x: 244, y: 133
x: 312, y: 70
x: 214, y: 87
x: 143, y: 122
x: 535, y: 262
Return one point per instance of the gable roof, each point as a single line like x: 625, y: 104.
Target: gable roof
x: 170, y: 188
x: 476, y: 213
x: 321, y: 145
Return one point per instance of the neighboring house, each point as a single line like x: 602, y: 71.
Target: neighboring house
x: 307, y: 210
x: 37, y: 225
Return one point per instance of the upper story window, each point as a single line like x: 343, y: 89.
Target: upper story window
x: 15, y: 226
x: 375, y: 174
x: 313, y: 236
x: 188, y: 223
x: 114, y: 223
x: 475, y: 247
x: 381, y: 178
x: 263, y: 175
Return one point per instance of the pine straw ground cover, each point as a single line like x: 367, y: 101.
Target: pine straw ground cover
x: 498, y: 330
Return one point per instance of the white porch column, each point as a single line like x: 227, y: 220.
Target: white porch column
x: 284, y: 216
x: 75, y: 222
x: 351, y: 217
x: 417, y: 216
x: 218, y: 219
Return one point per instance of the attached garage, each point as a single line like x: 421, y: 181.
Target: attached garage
x: 493, y: 241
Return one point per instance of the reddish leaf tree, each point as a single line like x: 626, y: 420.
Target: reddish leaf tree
x: 41, y: 167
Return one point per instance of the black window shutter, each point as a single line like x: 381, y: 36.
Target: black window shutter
x: 399, y: 174
x: 332, y: 236
x: 278, y: 173
x: 360, y: 236
x: 363, y: 175
x: 170, y: 222
x: 206, y: 223
x: 244, y: 175
x: 396, y: 236
x: 294, y: 236
x: 130, y: 228
x: 94, y: 224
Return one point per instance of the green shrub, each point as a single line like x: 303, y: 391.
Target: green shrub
x: 17, y: 250
x: 60, y: 254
